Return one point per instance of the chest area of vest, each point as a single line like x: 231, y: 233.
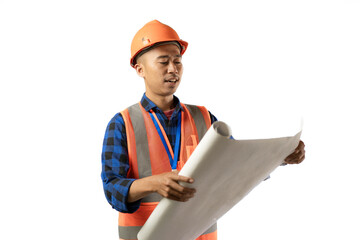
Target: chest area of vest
x: 146, y: 149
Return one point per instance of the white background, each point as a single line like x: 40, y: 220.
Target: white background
x: 64, y: 71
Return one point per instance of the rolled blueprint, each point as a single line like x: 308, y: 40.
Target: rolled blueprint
x: 225, y: 171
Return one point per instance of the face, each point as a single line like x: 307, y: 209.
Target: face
x: 161, y: 69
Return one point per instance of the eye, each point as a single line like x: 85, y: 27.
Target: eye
x: 164, y: 63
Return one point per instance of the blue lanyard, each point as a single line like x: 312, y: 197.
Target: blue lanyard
x: 173, y: 160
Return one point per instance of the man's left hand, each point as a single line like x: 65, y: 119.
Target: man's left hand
x: 297, y: 156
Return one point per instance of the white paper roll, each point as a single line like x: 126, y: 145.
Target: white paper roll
x: 225, y: 170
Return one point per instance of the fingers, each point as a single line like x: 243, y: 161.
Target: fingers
x: 295, y: 159
x: 176, y: 195
x: 298, y: 155
x: 180, y: 178
x: 179, y: 188
x: 170, y: 187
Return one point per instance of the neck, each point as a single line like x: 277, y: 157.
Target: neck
x: 165, y: 103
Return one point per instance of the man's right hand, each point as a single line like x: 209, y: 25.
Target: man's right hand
x: 165, y: 184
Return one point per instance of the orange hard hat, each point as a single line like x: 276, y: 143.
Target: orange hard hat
x: 152, y: 33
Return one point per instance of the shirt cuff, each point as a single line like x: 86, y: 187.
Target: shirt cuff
x: 133, y: 206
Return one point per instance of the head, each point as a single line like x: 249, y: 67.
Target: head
x: 161, y: 68
x: 156, y: 52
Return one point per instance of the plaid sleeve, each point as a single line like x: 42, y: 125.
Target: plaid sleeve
x: 212, y: 117
x: 115, y: 165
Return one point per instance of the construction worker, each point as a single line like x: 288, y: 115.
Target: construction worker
x: 148, y: 143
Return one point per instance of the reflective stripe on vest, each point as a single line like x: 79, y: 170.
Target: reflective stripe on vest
x: 147, y: 156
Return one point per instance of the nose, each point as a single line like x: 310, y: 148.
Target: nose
x: 172, y: 68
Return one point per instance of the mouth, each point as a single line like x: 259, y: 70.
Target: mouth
x: 172, y: 80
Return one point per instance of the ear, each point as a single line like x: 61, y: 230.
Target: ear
x: 139, y: 68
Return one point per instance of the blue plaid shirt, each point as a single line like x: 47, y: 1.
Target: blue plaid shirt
x: 114, y: 157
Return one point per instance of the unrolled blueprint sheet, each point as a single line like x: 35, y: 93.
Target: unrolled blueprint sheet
x: 225, y: 170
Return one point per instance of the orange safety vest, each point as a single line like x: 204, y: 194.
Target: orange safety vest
x: 147, y: 156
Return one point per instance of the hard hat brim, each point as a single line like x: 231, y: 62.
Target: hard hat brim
x: 182, y: 45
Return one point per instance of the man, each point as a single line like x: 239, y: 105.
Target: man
x: 146, y: 144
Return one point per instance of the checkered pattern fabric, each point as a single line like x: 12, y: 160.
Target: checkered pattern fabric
x: 114, y: 157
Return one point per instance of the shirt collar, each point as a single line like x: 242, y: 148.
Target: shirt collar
x: 148, y: 104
